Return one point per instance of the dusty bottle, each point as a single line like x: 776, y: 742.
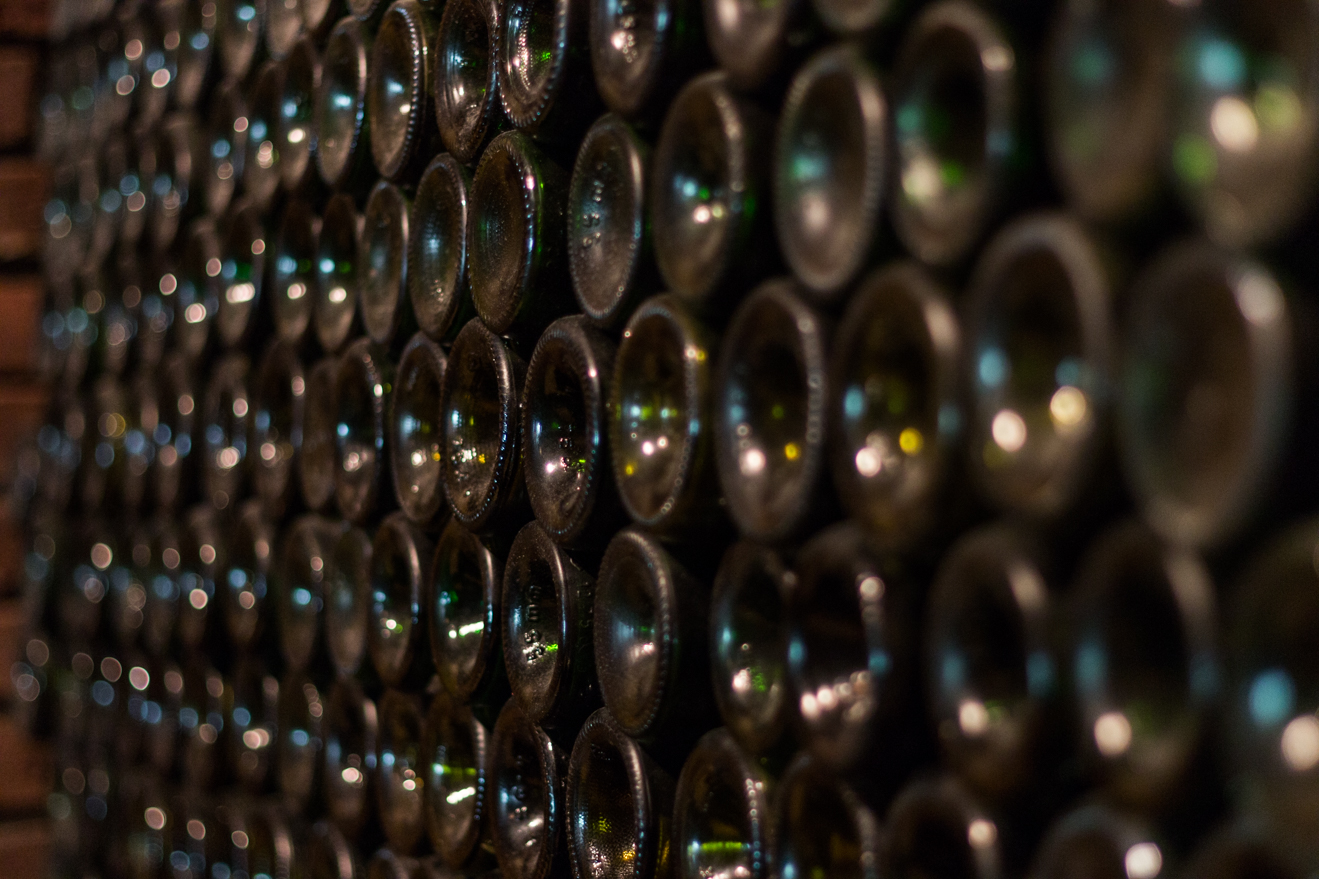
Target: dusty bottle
x: 201, y: 544
x: 464, y: 617
x: 771, y: 390
x: 239, y: 36
x: 330, y: 855
x: 397, y: 631
x: 415, y: 430
x: 755, y: 41
x: 1038, y: 365
x: 383, y: 266
x: 549, y: 646
x: 526, y: 774
x: 198, y: 288
x: 544, y: 72
x: 650, y: 628
x: 279, y: 402
x: 339, y: 114
x: 749, y: 649
x: 711, y: 231
x: 660, y: 429
x: 455, y: 760
x: 829, y: 168
x: 398, y: 105
x: 619, y: 804
x: 251, y: 723
x: 565, y: 417
x: 178, y: 182
x: 721, y: 815
x: 242, y: 319
x: 640, y: 52
x: 895, y: 405
x: 245, y: 580
x: 480, y: 415
x: 437, y: 249
x: 467, y: 105
x: 610, y: 255
x: 362, y: 389
x: 517, y: 265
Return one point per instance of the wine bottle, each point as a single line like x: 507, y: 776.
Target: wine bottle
x: 269, y: 850
x: 396, y: 632
x: 1109, y: 126
x: 753, y: 42
x: 294, y: 271
x: 401, y: 787
x: 201, y: 722
x: 650, y: 626
x: 239, y: 36
x: 770, y: 419
x: 661, y: 415
x: 549, y: 646
x: 262, y: 164
x: 526, y: 775
x: 334, y: 312
x: 619, y: 805
x: 565, y: 417
x: 414, y: 430
x: 362, y: 389
x: 251, y: 717
x: 467, y: 105
x: 1207, y: 415
x: 142, y: 280
x: 437, y: 249
x: 339, y: 115
x: 178, y: 183
x: 455, y: 762
x: 479, y: 411
x: 281, y: 26
x: 517, y: 265
x: 956, y: 136
x: 464, y: 616
x: 398, y: 108
x: 331, y: 855
x: 383, y: 259
x: 160, y: 694
x: 708, y: 193
x: 829, y: 168
x: 610, y: 255
x: 304, y: 565
x: 315, y: 461
x: 200, y: 548
x: 346, y: 585
x: 161, y: 578
x: 197, y: 67
x: 244, y: 580
x: 350, y: 728
x: 748, y: 648
x: 1144, y: 666
x: 226, y: 134
x: 936, y: 827
x: 368, y: 11
x: 199, y: 289
x: 821, y: 827
x: 241, y: 318
x: 991, y: 671
x: 1270, y: 682
x: 126, y: 598
x: 895, y: 405
x: 320, y: 16
x: 1095, y: 840
x: 545, y: 81
x: 852, y: 658
x: 1039, y: 360
x: 279, y: 402
x: 225, y: 432
x: 300, y: 728
x: 641, y: 52
x: 721, y: 812
x: 1245, y: 177
x: 155, y: 87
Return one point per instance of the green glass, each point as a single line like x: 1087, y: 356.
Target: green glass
x: 401, y: 779
x: 339, y: 113
x: 242, y: 275
x: 415, y: 430
x: 936, y: 828
x: 262, y: 164
x: 396, y: 632
x: 335, y: 311
x: 822, y: 828
x: 464, y: 613
x: 294, y: 276
x: 362, y: 388
x: 526, y: 777
x: 456, y: 762
x: 294, y: 132
x: 467, y: 104
x: 721, y: 812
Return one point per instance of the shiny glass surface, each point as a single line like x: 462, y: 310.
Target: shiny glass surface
x: 307, y: 551
x: 361, y: 390
x: 437, y: 249
x: 526, y: 795
x: 415, y: 429
x: 748, y: 631
x: 396, y: 596
x: 300, y: 720
x: 607, y: 811
x: 830, y: 166
x: 320, y: 414
x: 1096, y: 843
x: 348, y: 597
x: 536, y: 622
x: 749, y: 37
x: 244, y: 575
x: 350, y: 729
x: 467, y: 85
x: 262, y: 162
x: 251, y: 702
x: 720, y: 825
x: 296, y: 133
x: 504, y: 232
x: 339, y: 113
x: 606, y: 217
x: 455, y: 761
x: 241, y: 275
x: 396, y: 91
x: 465, y: 611
x: 336, y: 273
x: 634, y: 630
x: 935, y: 829
x: 225, y: 432
x: 383, y: 261
x: 532, y: 56
x: 628, y: 39
x: 277, y: 426
x: 198, y: 288
x: 402, y: 773
x: 239, y: 30
x: 226, y: 146
x: 822, y: 829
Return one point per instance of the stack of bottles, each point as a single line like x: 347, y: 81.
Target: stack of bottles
x: 633, y: 439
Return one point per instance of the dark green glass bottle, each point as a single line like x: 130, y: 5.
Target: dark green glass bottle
x: 397, y: 630
x: 245, y: 581
x: 279, y: 401
x: 348, y: 600
x: 226, y: 422
x: 821, y: 827
x: 464, y: 617
x: 299, y: 727
x: 544, y: 69
x: 437, y: 249
x: 226, y: 146
x: 526, y: 773
x: 415, y: 430
x: 241, y: 318
x: 306, y: 555
x: 351, y: 729
x: 398, y: 106
x: 362, y: 389
x: 401, y: 786
x: 199, y: 289
x: 1095, y: 840
x: 335, y: 312
x: 455, y: 768
x: 721, y: 813
x: 239, y: 31
x: 263, y: 159
x: 641, y: 52
x: 315, y: 460
x: 382, y: 277
x: 467, y: 105
x: 339, y: 114
x: 294, y: 276
x: 936, y: 827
